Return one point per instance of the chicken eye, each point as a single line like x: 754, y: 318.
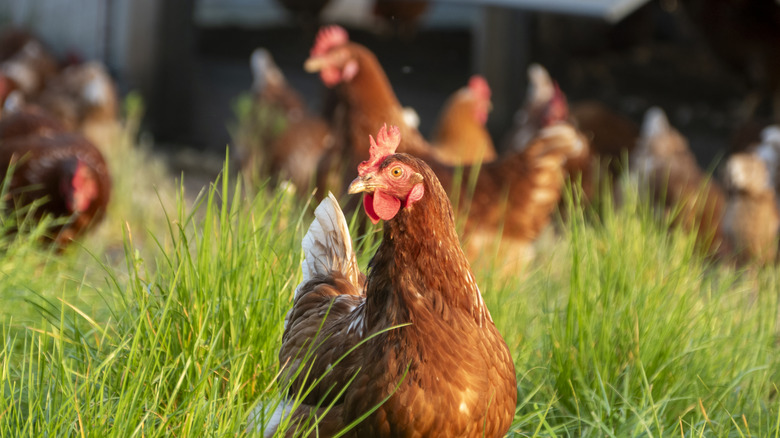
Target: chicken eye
x: 396, y: 172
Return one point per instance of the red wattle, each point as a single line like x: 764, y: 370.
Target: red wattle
x: 379, y: 205
x: 368, y: 205
x: 386, y: 206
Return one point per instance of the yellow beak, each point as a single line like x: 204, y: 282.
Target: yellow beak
x: 313, y: 65
x: 362, y: 184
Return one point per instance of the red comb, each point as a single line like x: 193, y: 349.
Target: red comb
x: 386, y: 143
x: 479, y: 86
x: 558, y: 107
x: 328, y: 38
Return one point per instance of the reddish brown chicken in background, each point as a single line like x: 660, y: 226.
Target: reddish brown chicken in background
x: 282, y: 137
x: 84, y: 98
x: 29, y: 121
x: 669, y: 173
x: 64, y: 168
x: 27, y: 62
x: 446, y: 371
x: 611, y: 136
x: 460, y: 136
x: 513, y: 197
x: 544, y: 105
x: 751, y: 218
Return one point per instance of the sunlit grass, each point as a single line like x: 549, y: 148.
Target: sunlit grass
x: 168, y: 321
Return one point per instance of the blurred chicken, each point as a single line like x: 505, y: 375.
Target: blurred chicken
x: 270, y: 87
x: 84, y: 98
x: 745, y: 35
x: 284, y: 138
x: 669, y: 173
x: 7, y: 88
x: 611, y: 136
x: 460, y: 136
x: 12, y: 40
x: 26, y: 63
x: 511, y: 198
x: 400, y: 17
x: 62, y: 170
x: 544, y: 105
x: 29, y: 121
x: 751, y: 220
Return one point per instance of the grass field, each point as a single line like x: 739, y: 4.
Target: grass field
x: 167, y: 321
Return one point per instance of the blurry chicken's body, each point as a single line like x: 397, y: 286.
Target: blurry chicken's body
x: 84, y: 98
x: 668, y: 171
x: 282, y: 136
x: 751, y: 219
x: 63, y: 169
x: 460, y: 136
x: 28, y: 64
x: 29, y: 121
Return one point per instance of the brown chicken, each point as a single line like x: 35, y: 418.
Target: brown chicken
x: 544, y: 105
x: 284, y: 138
x: 669, y: 173
x: 84, y: 98
x: 460, y: 136
x: 12, y: 39
x: 30, y: 121
x: 751, y: 220
x: 431, y: 361
x: 611, y: 136
x: 28, y: 64
x: 63, y: 169
x: 513, y: 197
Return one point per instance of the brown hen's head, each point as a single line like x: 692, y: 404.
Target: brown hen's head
x: 558, y: 108
x: 79, y: 187
x: 481, y: 91
x: 658, y: 138
x: 389, y: 183
x: 331, y: 57
x: 747, y: 173
x: 545, y: 95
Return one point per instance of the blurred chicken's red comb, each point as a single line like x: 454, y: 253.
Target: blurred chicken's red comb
x: 479, y: 86
x: 328, y: 38
x: 558, y: 108
x: 386, y: 143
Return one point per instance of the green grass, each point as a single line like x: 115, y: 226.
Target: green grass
x: 167, y: 322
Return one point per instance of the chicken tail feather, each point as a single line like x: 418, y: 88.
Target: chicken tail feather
x: 327, y: 246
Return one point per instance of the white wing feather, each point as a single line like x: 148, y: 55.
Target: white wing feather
x: 327, y: 246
